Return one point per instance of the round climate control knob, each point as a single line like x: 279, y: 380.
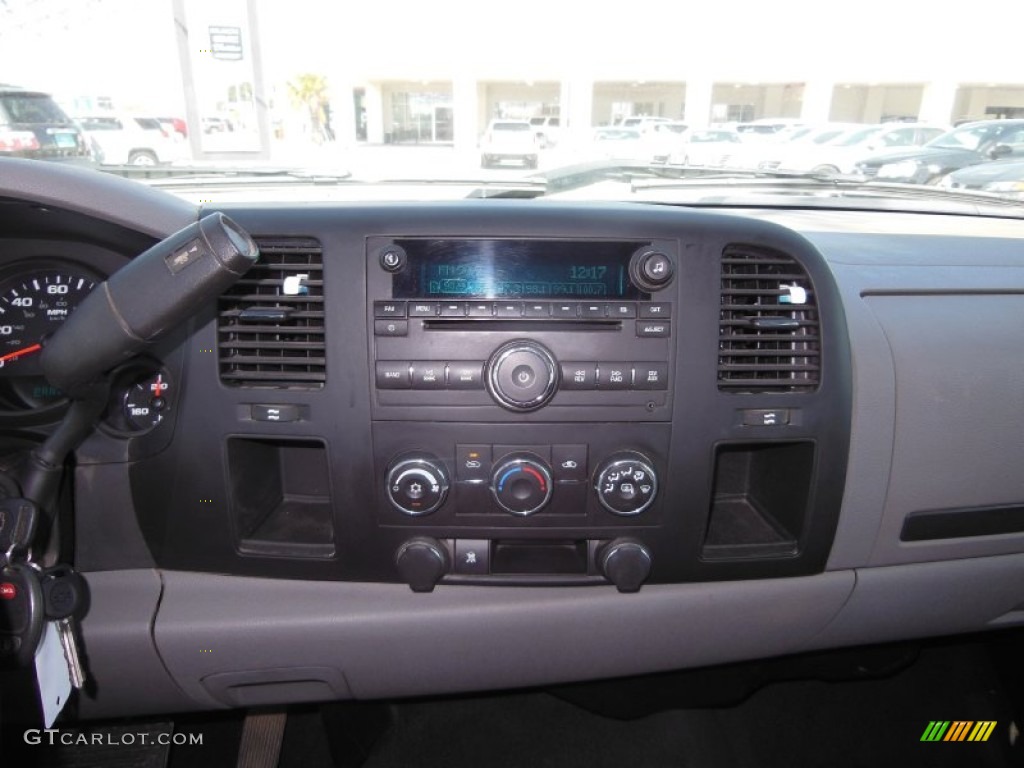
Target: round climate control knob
x: 522, y: 375
x: 417, y: 484
x: 521, y: 484
x: 626, y: 483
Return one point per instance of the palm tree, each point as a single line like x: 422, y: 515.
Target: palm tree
x: 310, y: 91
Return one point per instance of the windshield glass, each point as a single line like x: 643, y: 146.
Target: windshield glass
x: 30, y: 109
x: 365, y: 93
x: 854, y: 137
x: 968, y: 137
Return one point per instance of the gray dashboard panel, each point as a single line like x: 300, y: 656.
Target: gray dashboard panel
x: 959, y: 418
x: 118, y: 648
x: 388, y: 641
x: 927, y: 599
x: 931, y: 302
x: 871, y: 433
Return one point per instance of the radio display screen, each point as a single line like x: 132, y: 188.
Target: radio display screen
x: 523, y: 269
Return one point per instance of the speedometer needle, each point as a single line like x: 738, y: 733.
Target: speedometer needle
x: 18, y: 353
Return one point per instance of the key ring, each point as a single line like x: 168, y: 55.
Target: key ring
x: 9, y: 555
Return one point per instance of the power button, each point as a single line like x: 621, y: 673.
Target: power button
x: 392, y: 258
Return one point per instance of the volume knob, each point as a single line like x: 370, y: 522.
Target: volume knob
x: 522, y: 375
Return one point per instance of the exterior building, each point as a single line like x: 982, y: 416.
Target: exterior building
x: 427, y: 81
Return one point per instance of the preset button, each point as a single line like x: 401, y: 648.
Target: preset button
x: 465, y: 375
x: 428, y: 375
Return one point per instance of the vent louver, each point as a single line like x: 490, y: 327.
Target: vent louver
x: 270, y: 325
x: 769, y: 333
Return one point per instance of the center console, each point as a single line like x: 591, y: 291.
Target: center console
x: 531, y: 334
x: 540, y: 397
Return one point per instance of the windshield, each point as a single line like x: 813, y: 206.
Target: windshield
x: 30, y: 108
x: 853, y: 138
x: 969, y: 137
x: 408, y: 92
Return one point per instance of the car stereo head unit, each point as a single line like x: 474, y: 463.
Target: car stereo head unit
x: 493, y: 326
x: 504, y: 269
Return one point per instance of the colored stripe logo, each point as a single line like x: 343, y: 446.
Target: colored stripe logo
x: 958, y: 730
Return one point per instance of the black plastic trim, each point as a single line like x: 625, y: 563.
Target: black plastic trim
x: 961, y: 523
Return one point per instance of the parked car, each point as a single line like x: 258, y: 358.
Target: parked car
x: 644, y: 123
x: 662, y: 139
x: 175, y: 124
x: 1003, y: 177
x: 767, y: 126
x: 616, y: 143
x: 970, y: 144
x: 509, y: 141
x: 128, y: 140
x: 547, y: 129
x: 763, y: 152
x: 34, y: 127
x: 841, y: 154
x: 709, y: 148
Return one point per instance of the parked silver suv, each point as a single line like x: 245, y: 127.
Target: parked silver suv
x: 509, y: 141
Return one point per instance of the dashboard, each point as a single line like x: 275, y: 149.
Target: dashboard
x: 422, y: 448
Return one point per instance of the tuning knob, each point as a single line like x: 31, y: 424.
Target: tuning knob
x: 626, y: 563
x: 652, y: 270
x: 422, y: 562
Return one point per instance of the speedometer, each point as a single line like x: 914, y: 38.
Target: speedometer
x: 33, y: 305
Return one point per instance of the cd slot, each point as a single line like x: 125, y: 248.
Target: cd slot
x: 521, y: 326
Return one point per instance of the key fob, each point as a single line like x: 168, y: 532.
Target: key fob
x: 65, y: 593
x: 21, y: 615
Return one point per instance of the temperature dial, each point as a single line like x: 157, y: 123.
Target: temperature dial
x: 521, y: 485
x: 417, y: 484
x: 146, y: 402
x: 625, y: 483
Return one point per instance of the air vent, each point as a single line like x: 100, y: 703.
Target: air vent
x: 769, y: 334
x: 270, y: 328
